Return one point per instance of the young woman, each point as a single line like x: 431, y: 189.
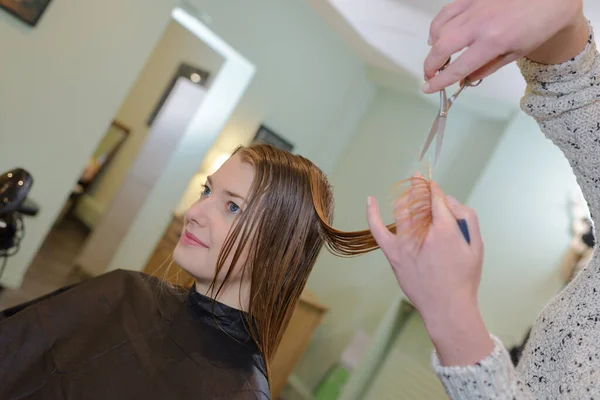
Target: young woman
x: 250, y: 242
x: 561, y: 65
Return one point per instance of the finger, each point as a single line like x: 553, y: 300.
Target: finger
x: 417, y: 175
x: 419, y: 197
x: 492, y: 67
x: 439, y: 209
x: 445, y: 15
x: 381, y: 233
x: 471, y: 60
x: 453, y: 37
x: 471, y: 222
x: 402, y: 215
x: 442, y: 50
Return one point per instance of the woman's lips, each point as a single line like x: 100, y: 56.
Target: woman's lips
x: 190, y: 239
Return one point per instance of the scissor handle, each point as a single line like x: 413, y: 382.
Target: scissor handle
x: 472, y: 84
x: 443, y: 67
x: 466, y: 83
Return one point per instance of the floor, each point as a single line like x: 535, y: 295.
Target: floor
x: 53, y: 266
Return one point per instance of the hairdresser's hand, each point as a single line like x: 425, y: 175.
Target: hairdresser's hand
x: 442, y: 277
x: 496, y: 33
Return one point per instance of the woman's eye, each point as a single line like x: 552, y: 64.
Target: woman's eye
x: 205, y: 191
x: 233, y: 208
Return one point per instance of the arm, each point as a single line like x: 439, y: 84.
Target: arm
x: 565, y: 100
x: 467, y: 341
x: 440, y: 275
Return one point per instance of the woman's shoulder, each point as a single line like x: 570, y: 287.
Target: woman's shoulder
x: 115, y: 285
x: 125, y: 276
x: 75, y: 293
x: 105, y: 291
x: 133, y: 286
x: 120, y: 280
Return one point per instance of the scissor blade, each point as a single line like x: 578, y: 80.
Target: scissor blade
x: 432, y: 133
x: 441, y: 127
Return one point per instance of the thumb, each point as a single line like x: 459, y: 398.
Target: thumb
x: 381, y: 233
x: 439, y: 208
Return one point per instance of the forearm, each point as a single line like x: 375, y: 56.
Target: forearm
x: 565, y: 45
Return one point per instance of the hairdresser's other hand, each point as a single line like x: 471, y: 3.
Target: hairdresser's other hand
x: 495, y: 33
x: 442, y: 277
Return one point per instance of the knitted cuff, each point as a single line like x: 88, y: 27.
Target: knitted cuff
x: 581, y: 64
x: 491, y: 378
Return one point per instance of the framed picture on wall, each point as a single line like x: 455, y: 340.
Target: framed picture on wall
x: 266, y: 135
x: 28, y: 11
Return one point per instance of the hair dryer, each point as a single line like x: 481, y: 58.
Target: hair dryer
x: 14, y: 187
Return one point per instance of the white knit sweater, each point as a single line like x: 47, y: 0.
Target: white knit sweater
x: 562, y: 357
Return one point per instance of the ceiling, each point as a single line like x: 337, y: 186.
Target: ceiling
x: 391, y: 36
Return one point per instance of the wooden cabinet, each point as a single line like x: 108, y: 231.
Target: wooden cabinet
x: 304, y: 321
x: 295, y: 341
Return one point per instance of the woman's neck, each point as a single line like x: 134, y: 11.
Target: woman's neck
x: 232, y: 295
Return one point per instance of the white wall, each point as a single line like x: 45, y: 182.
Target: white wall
x: 388, y: 139
x: 522, y: 200
x: 309, y: 85
x: 60, y: 86
x: 177, y: 45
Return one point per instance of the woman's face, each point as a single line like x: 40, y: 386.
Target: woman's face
x: 207, y: 222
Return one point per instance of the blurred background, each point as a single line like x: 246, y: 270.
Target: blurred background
x: 119, y: 110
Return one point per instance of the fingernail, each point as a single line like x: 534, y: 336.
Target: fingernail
x: 369, y: 200
x: 429, y: 40
x: 425, y: 88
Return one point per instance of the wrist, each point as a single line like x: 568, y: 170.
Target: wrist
x: 453, y: 315
x: 566, y: 44
x: 459, y: 335
x: 574, y: 30
x: 578, y: 17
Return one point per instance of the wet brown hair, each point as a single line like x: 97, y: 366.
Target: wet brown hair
x: 287, y: 221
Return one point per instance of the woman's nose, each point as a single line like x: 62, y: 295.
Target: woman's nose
x: 198, y: 212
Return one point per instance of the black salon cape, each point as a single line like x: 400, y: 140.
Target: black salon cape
x: 123, y: 336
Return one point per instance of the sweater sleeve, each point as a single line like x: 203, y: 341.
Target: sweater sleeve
x: 565, y: 101
x: 493, y: 377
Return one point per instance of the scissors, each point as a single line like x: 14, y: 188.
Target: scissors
x: 439, y: 124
